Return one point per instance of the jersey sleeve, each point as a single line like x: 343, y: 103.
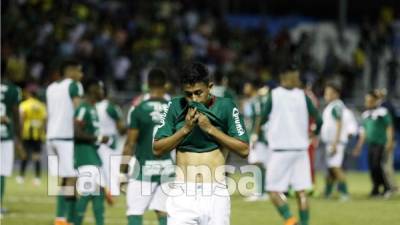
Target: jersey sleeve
x: 133, y: 118
x: 80, y: 114
x: 75, y: 89
x: 337, y: 112
x: 236, y: 126
x: 167, y: 126
x: 114, y: 111
x: 387, y: 119
x: 266, y: 109
x: 18, y: 96
x: 313, y: 112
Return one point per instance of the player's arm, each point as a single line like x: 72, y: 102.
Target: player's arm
x: 116, y: 114
x: 337, y: 113
x: 389, y: 133
x: 129, y: 147
x: 166, y: 139
x: 313, y: 112
x: 360, y: 142
x: 76, y: 93
x: 17, y: 122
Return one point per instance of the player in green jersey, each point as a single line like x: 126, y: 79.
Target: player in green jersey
x: 377, y: 131
x: 142, y: 121
x: 202, y: 128
x: 90, y: 184
x: 10, y: 135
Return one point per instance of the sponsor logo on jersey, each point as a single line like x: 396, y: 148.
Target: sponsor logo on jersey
x: 239, y: 127
x: 164, y: 114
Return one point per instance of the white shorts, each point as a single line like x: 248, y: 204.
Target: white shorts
x: 199, y: 204
x: 335, y: 160
x: 259, y: 154
x: 110, y: 166
x: 6, y: 157
x: 90, y: 178
x: 289, y: 168
x: 64, y: 151
x: 145, y: 195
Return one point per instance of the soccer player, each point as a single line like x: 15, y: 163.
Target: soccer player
x: 33, y: 117
x: 258, y: 154
x: 86, y: 159
x: 288, y: 110
x: 202, y: 128
x: 377, y: 131
x: 10, y: 135
x: 112, y: 125
x: 220, y: 88
x: 62, y: 97
x: 145, y: 191
x: 334, y: 135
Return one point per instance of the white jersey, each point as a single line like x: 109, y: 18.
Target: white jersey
x: 288, y: 120
x: 59, y: 95
x: 108, y: 125
x: 333, y: 111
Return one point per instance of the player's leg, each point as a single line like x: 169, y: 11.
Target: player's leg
x: 335, y: 166
x: 36, y: 159
x: 329, y: 183
x: 278, y: 176
x: 105, y: 155
x: 383, y: 180
x: 6, y: 165
x: 257, y: 158
x: 98, y: 207
x: 24, y: 161
x: 138, y: 197
x: 373, y: 154
x: 220, y: 206
x: 181, y: 206
x: 301, y: 181
x: 158, y: 202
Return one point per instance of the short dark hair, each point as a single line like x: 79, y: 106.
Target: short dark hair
x: 193, y: 73
x: 67, y: 63
x: 334, y: 86
x: 90, y: 82
x: 157, y: 78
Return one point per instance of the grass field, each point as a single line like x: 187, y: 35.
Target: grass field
x: 29, y: 205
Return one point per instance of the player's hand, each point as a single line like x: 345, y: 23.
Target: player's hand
x: 191, y: 119
x: 204, y: 123
x: 19, y: 148
x: 333, y: 150
x: 4, y: 120
x: 356, y: 151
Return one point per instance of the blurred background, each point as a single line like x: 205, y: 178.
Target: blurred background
x: 356, y: 43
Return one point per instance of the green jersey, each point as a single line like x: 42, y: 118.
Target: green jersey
x: 85, y: 153
x: 10, y: 96
x: 222, y: 113
x: 145, y: 118
x: 375, y: 122
x: 262, y: 135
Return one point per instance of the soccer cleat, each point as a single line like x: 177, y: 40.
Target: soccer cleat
x: 344, y: 198
x: 291, y: 221
x: 19, y: 180
x: 60, y: 221
x: 36, y: 182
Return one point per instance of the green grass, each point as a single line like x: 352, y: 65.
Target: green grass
x: 29, y: 205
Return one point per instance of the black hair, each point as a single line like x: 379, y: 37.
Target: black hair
x: 157, y: 78
x: 290, y: 64
x: 334, y: 86
x: 67, y: 63
x: 256, y: 83
x: 218, y: 76
x: 194, y: 73
x: 91, y: 82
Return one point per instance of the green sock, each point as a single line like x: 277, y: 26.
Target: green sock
x: 80, y: 208
x: 61, y: 206
x: 342, y: 187
x: 135, y: 220
x: 263, y: 180
x: 284, y: 211
x: 304, y: 216
x: 162, y: 220
x: 71, y: 209
x: 2, y: 187
x: 98, y: 208
x: 328, y: 188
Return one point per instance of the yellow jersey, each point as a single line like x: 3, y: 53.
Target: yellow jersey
x: 33, y: 114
